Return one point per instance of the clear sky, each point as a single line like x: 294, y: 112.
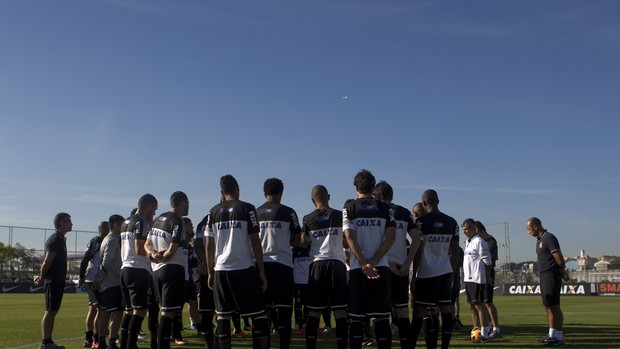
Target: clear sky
x: 507, y: 109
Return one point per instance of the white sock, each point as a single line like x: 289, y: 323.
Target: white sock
x: 484, y: 332
x: 496, y: 329
x: 551, y: 332
x: 559, y: 335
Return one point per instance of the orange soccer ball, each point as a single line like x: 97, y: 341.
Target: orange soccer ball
x: 476, y: 335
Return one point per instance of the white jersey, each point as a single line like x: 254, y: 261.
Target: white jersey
x: 230, y: 224
x: 398, y: 252
x: 323, y: 227
x: 477, y: 256
x: 438, y: 231
x: 169, y: 229
x: 278, y: 223
x: 301, y: 265
x: 134, y: 229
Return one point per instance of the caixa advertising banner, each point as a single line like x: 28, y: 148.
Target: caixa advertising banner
x: 29, y: 287
x: 608, y: 288
x: 571, y: 289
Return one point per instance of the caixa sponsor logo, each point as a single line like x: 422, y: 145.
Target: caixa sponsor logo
x: 570, y: 289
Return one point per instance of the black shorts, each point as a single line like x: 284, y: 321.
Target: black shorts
x: 433, y: 291
x: 170, y: 285
x: 238, y: 291
x: 399, y: 290
x: 205, y: 294
x: 550, y: 286
x: 111, y: 299
x: 94, y: 298
x: 456, y: 287
x: 279, y: 285
x: 474, y: 292
x: 369, y: 297
x: 53, y: 295
x: 328, y: 285
x: 489, y: 288
x: 136, y: 287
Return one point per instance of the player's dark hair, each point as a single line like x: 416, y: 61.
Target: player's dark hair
x: 133, y: 212
x: 228, y: 184
x: 146, y: 200
x: 480, y: 227
x: 383, y: 191
x: 177, y: 198
x: 103, y: 225
x: 59, y: 218
x: 469, y: 221
x: 187, y: 220
x: 364, y: 182
x: 273, y: 186
x: 115, y: 219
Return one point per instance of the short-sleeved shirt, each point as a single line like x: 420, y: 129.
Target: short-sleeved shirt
x: 404, y: 222
x: 323, y: 227
x: 492, y: 243
x: 168, y: 229
x: 546, y: 244
x: 369, y: 218
x: 57, y: 272
x: 133, y: 229
x: 301, y: 264
x: 438, y: 231
x: 278, y: 223
x: 231, y: 223
x: 91, y: 261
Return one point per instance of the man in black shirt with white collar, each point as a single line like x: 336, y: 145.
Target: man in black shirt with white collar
x: 551, y: 269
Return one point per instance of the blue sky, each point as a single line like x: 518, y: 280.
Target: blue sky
x: 507, y: 109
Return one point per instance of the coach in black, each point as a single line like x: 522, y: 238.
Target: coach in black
x: 551, y: 269
x: 53, y: 274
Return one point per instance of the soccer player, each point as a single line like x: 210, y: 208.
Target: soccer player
x: 369, y: 229
x: 551, y: 268
x: 136, y: 280
x: 108, y: 283
x: 327, y: 284
x: 476, y: 267
x: 279, y: 231
x: 438, y: 253
x: 53, y: 273
x: 399, y: 259
x: 167, y: 247
x: 89, y: 268
x: 206, y: 304
x: 233, y: 236
x: 490, y: 285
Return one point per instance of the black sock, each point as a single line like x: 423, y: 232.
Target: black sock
x: 112, y: 342
x: 342, y: 332
x: 222, y: 330
x: 88, y: 336
x: 206, y: 322
x: 260, y: 333
x: 236, y: 320
x: 124, y: 332
x: 312, y: 327
x: 177, y: 326
x: 432, y: 331
x: 135, y: 322
x: 356, y: 331
x: 446, y: 330
x: 163, y: 332
x: 46, y: 341
x: 416, y: 326
x: 284, y: 326
x: 404, y: 330
x: 383, y: 333
x: 102, y: 342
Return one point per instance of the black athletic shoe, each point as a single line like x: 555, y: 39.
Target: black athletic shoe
x: 544, y: 339
x: 554, y: 342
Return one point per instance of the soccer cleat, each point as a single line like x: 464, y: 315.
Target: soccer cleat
x: 554, y: 342
x: 327, y: 329
x: 240, y: 334
x: 495, y: 335
x: 88, y: 344
x: 180, y: 341
x: 368, y: 342
x: 544, y: 339
x: 95, y: 345
x: 302, y: 331
x: 484, y: 339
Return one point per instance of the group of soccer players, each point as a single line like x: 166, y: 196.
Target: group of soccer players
x: 241, y: 262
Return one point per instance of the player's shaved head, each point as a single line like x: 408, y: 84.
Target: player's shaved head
x: 535, y: 222
x: 319, y: 193
x: 430, y: 197
x: 147, y: 200
x: 418, y: 210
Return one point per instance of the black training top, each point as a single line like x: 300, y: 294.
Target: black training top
x: 58, y: 270
x: 492, y: 243
x: 546, y: 244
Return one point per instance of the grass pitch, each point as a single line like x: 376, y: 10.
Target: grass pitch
x: 589, y: 322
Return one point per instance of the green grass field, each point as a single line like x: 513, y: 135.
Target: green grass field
x: 590, y: 322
